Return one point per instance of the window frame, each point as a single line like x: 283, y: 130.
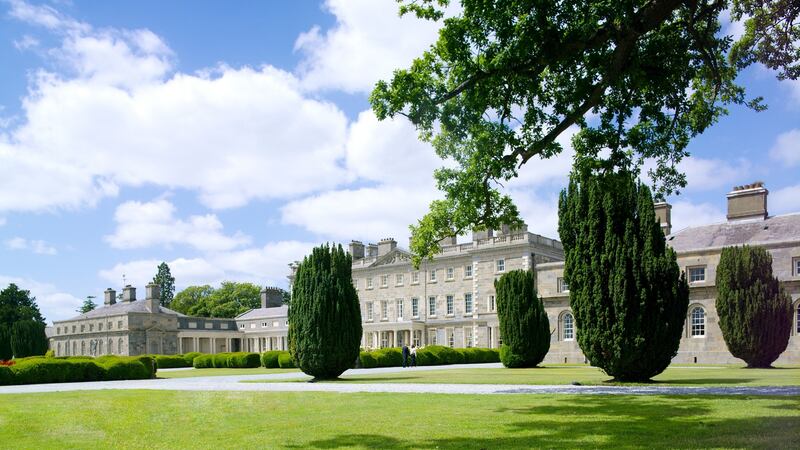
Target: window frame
x: 400, y: 306
x: 370, y: 312
x: 796, y: 266
x: 689, y: 274
x: 384, y: 281
x: 565, y: 328
x: 500, y: 265
x: 492, y: 303
x: 697, y: 325
x: 450, y: 305
x: 562, y: 286
x: 468, y: 271
x: 432, y: 302
x: 414, y: 307
x: 399, y: 279
x: 415, y: 277
x: 450, y: 274
x: 468, y: 310
x: 369, y: 284
x: 432, y: 276
x: 384, y: 310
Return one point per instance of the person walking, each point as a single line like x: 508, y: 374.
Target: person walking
x: 413, y: 355
x: 405, y: 355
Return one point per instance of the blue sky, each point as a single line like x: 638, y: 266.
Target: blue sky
x: 229, y: 138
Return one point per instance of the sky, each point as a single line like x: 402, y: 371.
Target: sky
x: 229, y: 138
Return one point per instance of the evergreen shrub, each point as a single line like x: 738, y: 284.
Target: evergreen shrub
x: 270, y: 359
x: 189, y: 358
x: 285, y: 361
x: 523, y: 320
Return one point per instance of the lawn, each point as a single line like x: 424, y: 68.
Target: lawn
x: 188, y: 373
x: 678, y: 375
x: 170, y: 419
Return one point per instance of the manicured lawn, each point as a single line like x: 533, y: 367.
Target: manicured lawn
x: 219, y: 372
x: 684, y: 376
x: 167, y: 419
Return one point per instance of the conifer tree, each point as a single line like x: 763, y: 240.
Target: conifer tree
x: 324, y: 315
x: 28, y: 338
x: 166, y: 283
x: 6, y: 352
x: 523, y: 320
x: 627, y: 293
x: 755, y: 314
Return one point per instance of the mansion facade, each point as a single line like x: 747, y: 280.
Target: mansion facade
x: 450, y: 300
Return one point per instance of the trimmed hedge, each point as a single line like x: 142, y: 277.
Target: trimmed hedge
x: 432, y: 355
x: 170, y: 361
x: 66, y: 370
x: 270, y: 359
x: 285, y: 361
x: 189, y: 358
x: 238, y: 360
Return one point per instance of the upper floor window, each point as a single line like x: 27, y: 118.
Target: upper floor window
x: 568, y: 327
x: 384, y: 310
x: 58, y: 330
x: 449, y: 305
x: 415, y: 277
x: 384, y: 280
x: 241, y: 325
x: 562, y: 286
x: 431, y: 306
x: 698, y: 322
x: 369, y: 283
x: 400, y: 309
x: 264, y: 324
x: 83, y: 328
x: 369, y: 311
x: 468, y: 303
x: 796, y: 265
x: 491, y: 305
x: 433, y: 275
x: 73, y: 328
x: 501, y: 265
x: 468, y: 271
x: 100, y: 326
x: 451, y: 272
x: 398, y: 279
x: 697, y: 274
x: 415, y: 308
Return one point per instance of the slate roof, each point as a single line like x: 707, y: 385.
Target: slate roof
x: 120, y: 308
x: 265, y: 313
x: 753, y: 231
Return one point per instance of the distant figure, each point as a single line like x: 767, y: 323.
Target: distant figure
x: 405, y: 356
x: 413, y: 355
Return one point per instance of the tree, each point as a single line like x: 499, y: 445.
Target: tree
x: 166, y: 283
x: 523, y: 320
x: 505, y: 79
x: 28, y: 338
x: 190, y: 299
x: 6, y: 351
x: 324, y: 315
x: 755, y: 314
x: 628, y: 296
x: 88, y: 305
x: 17, y: 304
x: 228, y: 301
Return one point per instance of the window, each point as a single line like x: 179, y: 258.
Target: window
x: 432, y: 337
x: 433, y: 275
x: 501, y: 265
x: 119, y: 324
x: 568, y: 327
x: 449, y: 305
x: 369, y: 283
x: 119, y: 346
x: 468, y: 303
x: 468, y: 271
x: 384, y: 280
x: 384, y: 339
x: 698, y: 322
x: 415, y: 308
x: 697, y: 274
x: 370, y: 340
x: 796, y: 265
x: 241, y: 326
x: 73, y: 328
x: 451, y: 338
x: 264, y: 324
x: 194, y: 325
x: 468, y: 337
x: 399, y: 309
x: 83, y: 328
x: 58, y: 331
x: 491, y: 303
x: 431, y: 306
x: 100, y: 326
x: 384, y: 310
x: 91, y: 327
x: 797, y: 319
x: 415, y: 277
x: 369, y: 311
x: 398, y: 279
x: 253, y: 325
x: 451, y: 273
x: 109, y: 325
x: 562, y: 286
x: 210, y: 325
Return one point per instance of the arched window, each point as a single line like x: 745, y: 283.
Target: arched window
x: 698, y: 322
x: 110, y: 346
x: 58, y: 349
x: 568, y: 327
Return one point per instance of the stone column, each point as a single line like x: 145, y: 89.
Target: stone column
x: 195, y: 344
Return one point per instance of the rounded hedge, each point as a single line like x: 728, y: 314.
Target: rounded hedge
x: 270, y: 359
x: 285, y: 361
x: 432, y: 355
x: 189, y: 358
x: 65, y: 370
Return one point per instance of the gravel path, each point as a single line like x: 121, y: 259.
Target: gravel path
x: 234, y: 383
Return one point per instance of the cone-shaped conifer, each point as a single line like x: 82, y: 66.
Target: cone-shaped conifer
x: 523, y: 321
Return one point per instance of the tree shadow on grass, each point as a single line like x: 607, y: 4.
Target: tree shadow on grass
x: 380, y: 379
x: 703, y: 381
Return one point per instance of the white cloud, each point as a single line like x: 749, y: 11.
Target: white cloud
x: 686, y: 214
x: 708, y: 174
x: 787, y: 148
x: 146, y: 224
x: 53, y: 303
x: 367, y: 44
x: 37, y: 246
x: 539, y: 211
x: 784, y: 200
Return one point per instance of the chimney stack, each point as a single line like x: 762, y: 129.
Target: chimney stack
x: 372, y: 250
x: 271, y: 297
x: 356, y: 250
x: 486, y: 233
x: 110, y: 297
x: 152, y: 297
x: 386, y: 245
x: 748, y: 202
x: 129, y: 294
x: 449, y: 240
x: 664, y: 216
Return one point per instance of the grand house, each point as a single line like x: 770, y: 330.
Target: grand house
x: 451, y: 299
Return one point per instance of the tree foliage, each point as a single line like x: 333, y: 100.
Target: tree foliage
x: 506, y: 78
x: 6, y: 351
x: 755, y: 314
x: 628, y: 296
x: 28, y: 338
x: 523, y: 320
x: 166, y: 283
x: 17, y: 304
x: 229, y: 300
x: 88, y: 305
x: 324, y: 315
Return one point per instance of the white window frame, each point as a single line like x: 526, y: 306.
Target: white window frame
x: 450, y: 305
x: 432, y: 306
x: 432, y: 276
x: 468, y: 337
x: 468, y: 271
x: 563, y: 287
x: 398, y: 279
x: 432, y: 336
x: 451, y: 337
x: 384, y: 281
x: 370, y: 316
x: 697, y: 322
x: 500, y: 265
x: 384, y: 310
x: 468, y: 303
x: 369, y: 283
x: 690, y: 275
x: 451, y: 273
x: 568, y: 330
x: 400, y: 307
x: 491, y: 303
x: 414, y: 277
x: 415, y: 308
x: 796, y: 266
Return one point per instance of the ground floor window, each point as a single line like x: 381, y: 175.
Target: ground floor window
x: 451, y: 338
x: 384, y: 339
x: 468, y: 342
x: 417, y: 338
x: 489, y: 342
x: 568, y: 327
x: 432, y: 337
x: 698, y: 322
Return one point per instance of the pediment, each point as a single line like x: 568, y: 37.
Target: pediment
x: 396, y: 256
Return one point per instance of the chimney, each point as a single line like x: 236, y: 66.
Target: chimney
x: 482, y: 234
x: 386, y: 245
x: 129, y: 294
x: 748, y: 202
x: 449, y: 240
x: 664, y: 216
x: 271, y: 297
x: 372, y: 251
x: 152, y: 296
x: 356, y: 250
x: 110, y: 297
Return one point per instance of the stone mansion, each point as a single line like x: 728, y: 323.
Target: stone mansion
x: 451, y: 301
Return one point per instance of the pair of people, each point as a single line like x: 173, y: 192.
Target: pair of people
x: 412, y: 352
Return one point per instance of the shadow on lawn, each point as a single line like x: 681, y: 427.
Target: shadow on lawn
x: 612, y: 422
x: 704, y: 381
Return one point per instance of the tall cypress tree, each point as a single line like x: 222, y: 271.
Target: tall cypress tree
x: 6, y: 351
x: 627, y: 293
x: 523, y: 320
x: 28, y: 338
x: 166, y: 284
x: 755, y: 314
x: 324, y: 315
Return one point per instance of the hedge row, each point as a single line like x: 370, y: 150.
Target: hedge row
x: 35, y: 370
x: 276, y: 359
x: 175, y: 361
x: 237, y: 360
x: 432, y: 355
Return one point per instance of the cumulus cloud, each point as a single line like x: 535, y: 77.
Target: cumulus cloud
x: 37, y: 246
x: 787, y: 148
x: 53, y: 303
x: 707, y: 174
x: 146, y: 224
x: 785, y: 200
x: 686, y: 214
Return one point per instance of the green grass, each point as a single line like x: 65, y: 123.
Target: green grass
x: 190, y: 373
x: 167, y: 419
x: 683, y: 376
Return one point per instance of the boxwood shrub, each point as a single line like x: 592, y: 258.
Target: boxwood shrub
x: 203, y: 362
x: 189, y: 358
x: 64, y: 370
x: 270, y: 359
x: 170, y: 361
x: 432, y: 355
x: 367, y: 360
x: 238, y: 360
x: 285, y: 361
